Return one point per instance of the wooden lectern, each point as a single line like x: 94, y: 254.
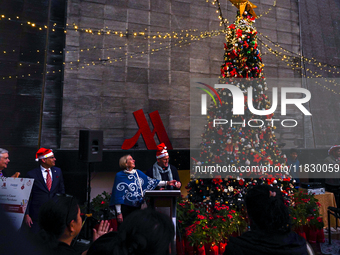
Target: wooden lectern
x: 164, y: 201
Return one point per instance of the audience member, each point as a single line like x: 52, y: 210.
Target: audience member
x: 48, y: 181
x: 129, y: 188
x: 162, y: 170
x: 60, y: 222
x: 143, y: 232
x: 4, y: 160
x: 13, y: 242
x: 270, y: 226
x: 332, y: 160
x: 294, y: 164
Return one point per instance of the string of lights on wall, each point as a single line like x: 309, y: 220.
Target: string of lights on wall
x: 309, y: 60
x: 296, y: 66
x: 107, y: 31
x: 180, y: 36
x: 223, y: 21
x: 110, y: 60
x: 290, y: 61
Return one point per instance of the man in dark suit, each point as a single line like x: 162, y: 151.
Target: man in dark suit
x: 48, y: 181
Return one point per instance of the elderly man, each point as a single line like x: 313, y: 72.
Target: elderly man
x: 4, y: 160
x: 162, y: 170
x: 48, y: 181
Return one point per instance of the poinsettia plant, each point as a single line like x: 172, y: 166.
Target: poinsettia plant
x: 304, y: 210
x: 100, y: 206
x: 202, y: 223
x: 225, y: 221
x: 192, y: 222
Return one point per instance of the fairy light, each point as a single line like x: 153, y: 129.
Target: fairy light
x: 152, y: 50
x: 29, y: 23
x: 309, y: 60
x: 294, y: 66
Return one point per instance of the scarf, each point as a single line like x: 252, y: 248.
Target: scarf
x: 157, y: 171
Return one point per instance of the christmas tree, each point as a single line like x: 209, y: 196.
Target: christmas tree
x: 244, y: 141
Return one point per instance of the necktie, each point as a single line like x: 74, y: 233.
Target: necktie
x: 48, y: 180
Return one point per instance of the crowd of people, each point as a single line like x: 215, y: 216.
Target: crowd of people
x: 55, y: 218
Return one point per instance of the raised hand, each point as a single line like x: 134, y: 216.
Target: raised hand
x: 104, y: 227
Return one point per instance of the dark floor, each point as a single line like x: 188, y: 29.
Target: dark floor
x: 316, y: 246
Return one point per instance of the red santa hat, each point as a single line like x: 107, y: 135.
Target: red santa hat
x: 334, y: 147
x: 161, y: 151
x: 43, y: 153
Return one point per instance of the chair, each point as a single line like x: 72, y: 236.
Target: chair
x: 336, y: 213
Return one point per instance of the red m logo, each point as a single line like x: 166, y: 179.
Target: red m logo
x: 144, y: 130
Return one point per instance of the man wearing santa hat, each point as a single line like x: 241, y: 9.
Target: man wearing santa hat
x: 48, y: 181
x: 162, y: 170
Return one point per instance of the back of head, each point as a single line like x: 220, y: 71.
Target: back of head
x: 293, y: 151
x: 266, y: 209
x: 54, y: 216
x: 145, y: 232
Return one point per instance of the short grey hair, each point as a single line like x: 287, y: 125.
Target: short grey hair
x: 2, y: 151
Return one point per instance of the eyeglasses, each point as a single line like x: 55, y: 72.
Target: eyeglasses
x: 165, y: 159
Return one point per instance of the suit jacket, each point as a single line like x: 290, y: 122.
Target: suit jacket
x: 40, y: 194
x: 5, y: 173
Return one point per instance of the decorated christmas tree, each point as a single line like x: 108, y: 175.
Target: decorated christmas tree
x: 215, y: 207
x: 244, y: 143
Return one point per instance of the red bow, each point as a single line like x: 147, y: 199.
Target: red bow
x: 217, y: 180
x: 270, y: 181
x: 239, y: 32
x: 257, y: 158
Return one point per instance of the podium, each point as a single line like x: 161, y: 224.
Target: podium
x: 164, y: 201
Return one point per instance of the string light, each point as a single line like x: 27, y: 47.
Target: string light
x: 295, y: 66
x: 151, y: 51
x: 29, y: 23
x: 309, y: 60
x: 203, y: 35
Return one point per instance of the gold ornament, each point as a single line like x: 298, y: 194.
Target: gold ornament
x: 244, y: 5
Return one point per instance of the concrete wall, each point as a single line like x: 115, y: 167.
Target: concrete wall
x: 108, y: 77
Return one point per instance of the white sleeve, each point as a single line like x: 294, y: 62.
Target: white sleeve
x: 162, y: 183
x: 118, y: 209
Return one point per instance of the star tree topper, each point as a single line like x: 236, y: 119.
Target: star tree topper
x: 244, y: 5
